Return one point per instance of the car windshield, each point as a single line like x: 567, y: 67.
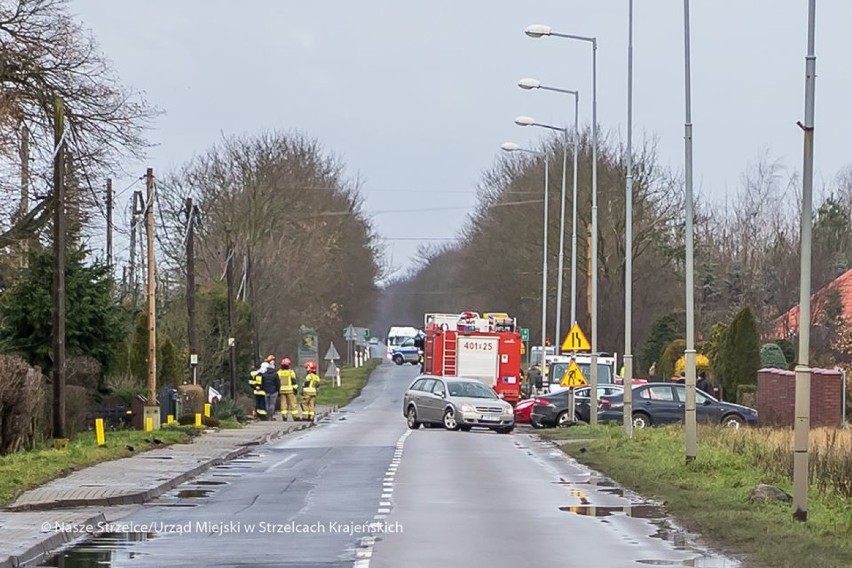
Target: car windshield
x: 470, y: 390
x: 604, y: 371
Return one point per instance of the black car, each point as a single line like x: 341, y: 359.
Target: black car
x: 665, y: 403
x: 552, y: 410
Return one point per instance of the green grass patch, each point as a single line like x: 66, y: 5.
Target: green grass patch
x: 351, y: 382
x: 711, y: 495
x: 28, y: 469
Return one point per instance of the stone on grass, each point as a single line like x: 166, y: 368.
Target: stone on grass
x: 764, y: 493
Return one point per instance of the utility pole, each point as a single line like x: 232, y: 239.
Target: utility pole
x: 628, y: 245
x: 589, y: 278
x: 109, y: 222
x: 255, y: 334
x: 190, y: 289
x: 152, y: 289
x: 803, y: 371
x: 25, y: 186
x: 232, y: 354
x: 59, y: 269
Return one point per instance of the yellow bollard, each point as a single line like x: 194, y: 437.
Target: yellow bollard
x: 149, y: 424
x: 99, y: 431
x: 198, y: 420
x: 170, y: 419
x: 207, y: 410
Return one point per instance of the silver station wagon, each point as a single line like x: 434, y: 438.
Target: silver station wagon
x: 457, y: 403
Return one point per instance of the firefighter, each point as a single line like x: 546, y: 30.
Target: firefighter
x: 288, y: 390
x: 309, y: 392
x: 257, y: 390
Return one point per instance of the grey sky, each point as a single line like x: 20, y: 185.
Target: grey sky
x: 417, y: 95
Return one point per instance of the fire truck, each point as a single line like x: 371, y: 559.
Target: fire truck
x: 486, y: 347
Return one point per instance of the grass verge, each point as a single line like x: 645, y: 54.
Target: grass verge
x: 711, y: 495
x: 21, y: 471
x: 351, y: 382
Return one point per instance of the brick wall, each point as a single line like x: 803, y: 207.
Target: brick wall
x: 776, y: 397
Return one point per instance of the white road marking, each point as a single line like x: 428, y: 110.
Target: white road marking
x: 282, y: 462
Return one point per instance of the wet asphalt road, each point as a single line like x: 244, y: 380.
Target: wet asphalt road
x: 444, y: 498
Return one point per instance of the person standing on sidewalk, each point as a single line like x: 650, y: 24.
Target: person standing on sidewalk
x: 271, y: 384
x: 309, y: 392
x: 256, y: 381
x: 287, y: 377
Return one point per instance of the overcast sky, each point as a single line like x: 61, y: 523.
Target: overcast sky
x: 416, y: 96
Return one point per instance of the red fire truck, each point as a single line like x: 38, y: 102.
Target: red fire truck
x: 486, y: 347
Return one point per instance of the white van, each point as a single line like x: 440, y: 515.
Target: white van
x: 398, y: 335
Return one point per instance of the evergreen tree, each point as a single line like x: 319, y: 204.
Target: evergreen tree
x: 772, y: 357
x: 664, y: 330
x: 94, y: 325
x: 738, y: 358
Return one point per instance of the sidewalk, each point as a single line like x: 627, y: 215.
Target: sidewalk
x: 27, y: 530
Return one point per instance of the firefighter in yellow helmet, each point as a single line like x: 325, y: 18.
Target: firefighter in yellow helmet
x: 288, y: 390
x: 309, y: 392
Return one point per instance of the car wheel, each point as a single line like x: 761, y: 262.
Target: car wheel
x: 504, y: 429
x: 641, y: 420
x: 398, y: 359
x: 465, y: 428
x: 733, y: 421
x: 411, y: 415
x: 450, y: 420
x: 562, y: 419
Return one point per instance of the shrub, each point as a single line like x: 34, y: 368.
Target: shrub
x: 673, y: 351
x: 189, y: 420
x: 664, y: 330
x: 192, y: 398
x: 23, y: 412
x: 747, y: 395
x: 227, y: 409
x: 772, y: 357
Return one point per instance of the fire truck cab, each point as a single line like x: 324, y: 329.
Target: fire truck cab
x: 486, y: 347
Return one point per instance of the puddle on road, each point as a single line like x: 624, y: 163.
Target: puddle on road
x: 635, y: 511
x: 193, y: 493
x: 171, y: 505
x: 207, y: 482
x: 103, y: 550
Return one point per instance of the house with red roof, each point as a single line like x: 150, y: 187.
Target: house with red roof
x: 841, y: 287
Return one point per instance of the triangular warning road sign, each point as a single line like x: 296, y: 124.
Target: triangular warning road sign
x: 576, y: 340
x: 573, y: 377
x: 332, y: 353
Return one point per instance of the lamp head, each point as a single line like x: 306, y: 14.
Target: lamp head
x: 538, y: 30
x: 524, y: 121
x: 528, y: 83
x: 509, y: 147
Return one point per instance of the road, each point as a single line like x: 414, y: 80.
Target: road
x: 438, y: 498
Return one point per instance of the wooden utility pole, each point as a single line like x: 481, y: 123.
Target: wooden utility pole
x: 255, y: 335
x: 152, y: 289
x: 190, y: 289
x: 109, y: 223
x: 232, y: 354
x: 59, y: 269
x: 25, y: 187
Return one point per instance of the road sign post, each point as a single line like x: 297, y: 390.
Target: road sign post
x: 572, y: 379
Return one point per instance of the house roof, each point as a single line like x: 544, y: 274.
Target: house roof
x: 788, y: 323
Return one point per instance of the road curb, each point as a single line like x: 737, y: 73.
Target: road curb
x: 151, y: 493
x: 48, y: 545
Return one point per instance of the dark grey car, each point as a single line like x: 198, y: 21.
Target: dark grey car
x: 457, y: 403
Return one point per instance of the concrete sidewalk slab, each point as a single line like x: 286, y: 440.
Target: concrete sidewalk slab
x: 61, y: 511
x: 140, y: 478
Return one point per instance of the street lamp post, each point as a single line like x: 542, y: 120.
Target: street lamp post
x: 537, y: 31
x: 512, y: 147
x: 527, y: 121
x: 803, y: 372
x: 628, y: 243
x: 535, y: 84
x: 690, y: 425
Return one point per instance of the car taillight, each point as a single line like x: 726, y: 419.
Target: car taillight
x: 540, y: 401
x: 605, y: 403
